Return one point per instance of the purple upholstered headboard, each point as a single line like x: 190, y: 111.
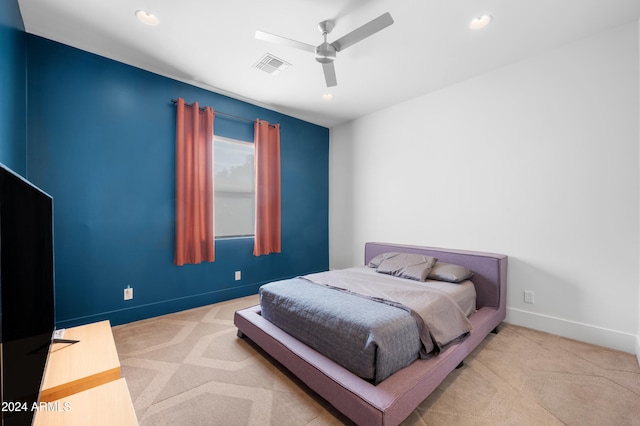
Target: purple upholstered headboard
x: 489, y: 269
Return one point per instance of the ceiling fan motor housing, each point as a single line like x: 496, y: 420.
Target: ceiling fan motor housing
x: 325, y: 53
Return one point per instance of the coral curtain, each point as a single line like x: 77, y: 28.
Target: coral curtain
x: 195, y: 235
x: 267, y: 175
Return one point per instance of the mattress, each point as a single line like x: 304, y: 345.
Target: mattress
x: 371, y: 337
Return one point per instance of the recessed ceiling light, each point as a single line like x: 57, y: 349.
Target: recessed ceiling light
x: 327, y: 96
x: 480, y: 22
x: 147, y: 17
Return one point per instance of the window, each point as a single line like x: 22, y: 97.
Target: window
x: 234, y: 183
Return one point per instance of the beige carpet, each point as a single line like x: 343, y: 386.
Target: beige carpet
x: 189, y: 368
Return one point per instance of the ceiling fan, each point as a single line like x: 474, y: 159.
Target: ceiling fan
x: 326, y: 52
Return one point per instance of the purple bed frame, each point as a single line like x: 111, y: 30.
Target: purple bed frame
x: 391, y: 401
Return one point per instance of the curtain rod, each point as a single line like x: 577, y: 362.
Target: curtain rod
x: 175, y: 101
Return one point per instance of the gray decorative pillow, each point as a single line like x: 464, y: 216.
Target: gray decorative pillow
x: 449, y: 272
x: 407, y: 265
x: 376, y: 261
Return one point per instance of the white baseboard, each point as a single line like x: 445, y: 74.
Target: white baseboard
x: 613, y: 339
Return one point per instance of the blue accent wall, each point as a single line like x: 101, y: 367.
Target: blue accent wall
x: 101, y: 141
x: 13, y: 88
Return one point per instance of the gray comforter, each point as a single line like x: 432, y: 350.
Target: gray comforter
x: 440, y: 320
x: 373, y: 327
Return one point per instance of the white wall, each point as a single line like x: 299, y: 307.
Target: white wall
x: 538, y: 160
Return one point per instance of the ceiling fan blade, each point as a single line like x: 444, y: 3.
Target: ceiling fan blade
x: 330, y: 74
x: 272, y: 38
x: 372, y: 27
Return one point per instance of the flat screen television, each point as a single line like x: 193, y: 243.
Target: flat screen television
x: 27, y: 317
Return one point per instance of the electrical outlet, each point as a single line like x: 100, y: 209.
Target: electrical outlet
x: 128, y: 293
x: 528, y: 296
x: 238, y: 275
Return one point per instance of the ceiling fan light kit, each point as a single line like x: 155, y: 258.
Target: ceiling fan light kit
x: 326, y: 52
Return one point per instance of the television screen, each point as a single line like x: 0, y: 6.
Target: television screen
x: 26, y: 294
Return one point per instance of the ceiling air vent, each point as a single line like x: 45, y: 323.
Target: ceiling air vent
x: 272, y: 65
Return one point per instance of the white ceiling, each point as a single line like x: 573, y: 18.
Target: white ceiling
x: 211, y: 44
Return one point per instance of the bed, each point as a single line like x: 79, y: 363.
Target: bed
x: 394, y: 398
